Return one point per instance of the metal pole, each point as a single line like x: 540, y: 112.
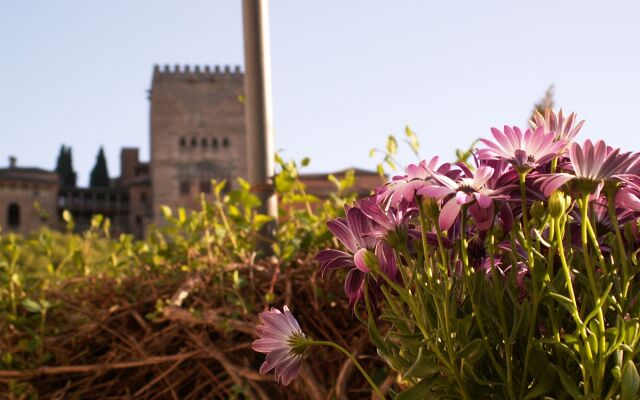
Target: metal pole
x: 258, y: 114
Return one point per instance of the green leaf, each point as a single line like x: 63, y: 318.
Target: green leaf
x: 182, y: 215
x: 261, y: 219
x: 413, y: 140
x: 392, y: 145
x: 31, y: 305
x: 66, y: 216
x: 473, y: 351
x: 166, y: 212
x: 564, y: 301
x: 244, y: 185
x: 420, y: 391
x: 305, y: 161
x: 544, y: 385
x: 539, y: 364
x: 377, y: 339
x: 630, y: 381
x: 45, y: 304
x: 567, y: 383
x: 219, y: 186
x: 279, y: 159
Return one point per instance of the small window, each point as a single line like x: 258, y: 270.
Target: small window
x: 203, y: 142
x: 143, y: 198
x: 225, y: 142
x: 138, y: 220
x: 214, y: 143
x: 194, y: 142
x: 183, y: 142
x: 185, y: 187
x: 205, y: 187
x: 13, y: 215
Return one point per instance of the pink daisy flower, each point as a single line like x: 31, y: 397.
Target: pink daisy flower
x: 355, y: 233
x: 283, y: 341
x: 562, y: 127
x: 524, y: 151
x: 593, y: 166
x: 405, y: 187
x: 465, y: 191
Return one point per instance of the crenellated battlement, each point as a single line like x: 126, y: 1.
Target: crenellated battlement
x: 196, y: 72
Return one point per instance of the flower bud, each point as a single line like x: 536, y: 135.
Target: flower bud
x: 371, y: 260
x: 537, y: 210
x: 558, y: 204
x: 362, y: 260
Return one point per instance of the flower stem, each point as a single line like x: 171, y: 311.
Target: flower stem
x: 622, y: 252
x: 584, y: 206
x: 534, y: 301
x: 508, y: 345
x: 463, y: 243
x: 423, y: 230
x: 353, y: 359
x: 572, y: 296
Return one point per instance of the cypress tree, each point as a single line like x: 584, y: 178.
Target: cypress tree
x: 64, y: 167
x: 99, y: 174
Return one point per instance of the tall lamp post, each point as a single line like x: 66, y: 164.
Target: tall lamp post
x: 259, y: 115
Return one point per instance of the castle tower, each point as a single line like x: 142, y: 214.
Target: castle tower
x: 197, y: 133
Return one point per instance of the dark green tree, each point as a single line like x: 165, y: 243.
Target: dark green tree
x: 99, y: 174
x: 64, y: 167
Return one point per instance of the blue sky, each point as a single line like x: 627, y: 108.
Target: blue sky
x: 345, y: 74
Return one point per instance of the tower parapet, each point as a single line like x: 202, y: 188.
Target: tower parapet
x: 197, y: 72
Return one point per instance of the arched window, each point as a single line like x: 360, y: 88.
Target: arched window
x: 225, y: 142
x: 203, y: 142
x: 183, y: 142
x: 214, y: 143
x: 13, y: 215
x: 194, y: 142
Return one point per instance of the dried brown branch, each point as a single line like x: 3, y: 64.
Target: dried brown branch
x: 94, y: 368
x: 106, y: 339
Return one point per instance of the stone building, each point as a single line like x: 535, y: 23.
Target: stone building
x: 197, y: 133
x: 28, y: 197
x: 135, y: 179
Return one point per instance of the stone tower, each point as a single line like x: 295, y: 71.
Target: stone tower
x: 197, y: 133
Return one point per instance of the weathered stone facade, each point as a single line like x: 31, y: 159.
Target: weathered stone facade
x: 135, y: 177
x: 197, y: 133
x: 28, y: 198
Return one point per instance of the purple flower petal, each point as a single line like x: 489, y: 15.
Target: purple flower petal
x: 551, y: 183
x: 448, y: 214
x: 436, y: 192
x: 484, y: 201
x: 463, y: 198
x: 341, y: 231
x: 353, y: 282
x: 267, y: 344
